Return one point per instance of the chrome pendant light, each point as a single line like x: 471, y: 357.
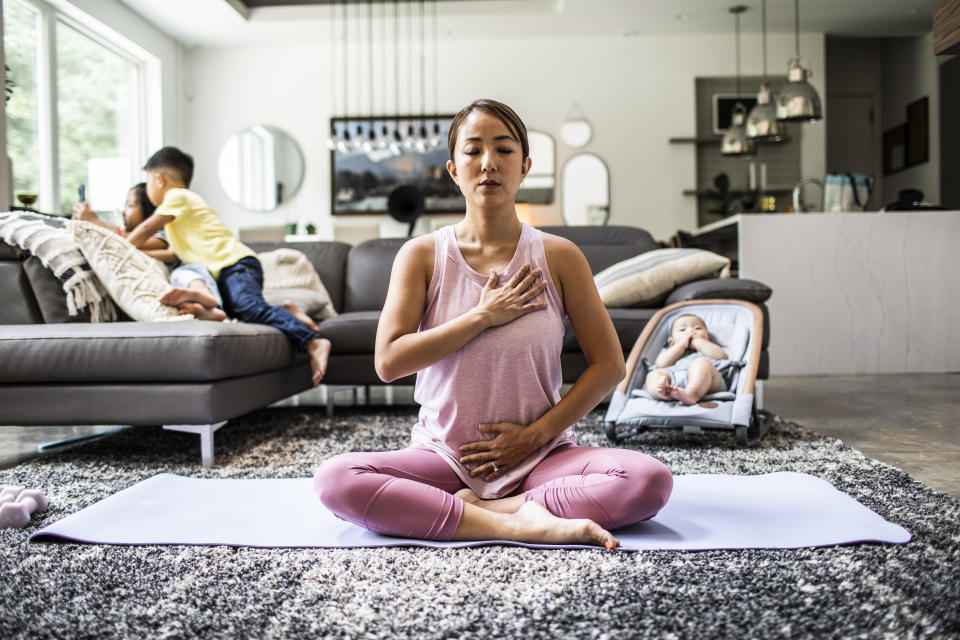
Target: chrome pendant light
x: 799, y: 101
x: 762, y: 123
x: 735, y: 140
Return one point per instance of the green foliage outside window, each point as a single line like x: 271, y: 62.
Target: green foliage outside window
x: 97, y: 111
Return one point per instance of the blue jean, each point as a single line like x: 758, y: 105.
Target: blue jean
x: 241, y: 287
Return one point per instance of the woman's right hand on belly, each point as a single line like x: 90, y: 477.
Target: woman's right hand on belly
x: 500, y: 305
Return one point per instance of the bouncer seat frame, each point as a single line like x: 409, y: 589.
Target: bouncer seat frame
x: 633, y: 410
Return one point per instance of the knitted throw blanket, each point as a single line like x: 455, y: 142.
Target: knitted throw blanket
x: 47, y: 238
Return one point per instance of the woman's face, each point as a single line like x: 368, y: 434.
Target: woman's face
x: 487, y: 161
x: 132, y: 213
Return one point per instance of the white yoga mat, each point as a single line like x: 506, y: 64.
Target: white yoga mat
x: 772, y: 511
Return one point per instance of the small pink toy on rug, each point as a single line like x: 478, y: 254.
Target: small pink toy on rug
x: 16, y: 505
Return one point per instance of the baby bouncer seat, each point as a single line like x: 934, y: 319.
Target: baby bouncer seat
x: 737, y: 326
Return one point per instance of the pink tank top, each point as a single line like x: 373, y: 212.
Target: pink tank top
x: 509, y: 373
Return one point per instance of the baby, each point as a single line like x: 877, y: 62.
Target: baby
x: 686, y: 368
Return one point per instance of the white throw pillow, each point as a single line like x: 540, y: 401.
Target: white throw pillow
x: 289, y: 275
x: 135, y: 280
x: 646, y: 279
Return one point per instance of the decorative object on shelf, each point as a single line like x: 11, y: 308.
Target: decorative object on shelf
x: 727, y: 203
x: 586, y: 190
x: 576, y: 131
x: 799, y: 101
x: 260, y: 167
x: 27, y: 200
x: 735, y: 140
x: 762, y: 123
x: 363, y: 181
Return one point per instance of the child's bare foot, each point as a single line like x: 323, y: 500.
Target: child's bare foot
x: 535, y: 524
x: 216, y: 314
x: 177, y: 296
x: 319, y: 351
x: 192, y: 308
x: 503, y: 505
x: 298, y: 313
x: 682, y: 395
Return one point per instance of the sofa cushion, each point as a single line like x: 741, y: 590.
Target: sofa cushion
x: 327, y: 257
x: 19, y: 306
x: 628, y: 323
x: 368, y: 273
x: 135, y: 280
x: 351, y: 332
x: 289, y: 275
x: 645, y: 280
x: 735, y: 288
x: 132, y: 352
x: 607, y: 245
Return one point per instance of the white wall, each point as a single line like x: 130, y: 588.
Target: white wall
x: 637, y: 92
x: 6, y: 170
x: 910, y: 73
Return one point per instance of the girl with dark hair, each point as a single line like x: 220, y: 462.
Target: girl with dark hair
x: 477, y: 311
x: 203, y: 300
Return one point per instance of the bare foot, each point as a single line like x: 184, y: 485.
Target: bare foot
x: 215, y: 314
x: 503, y: 505
x: 535, y: 524
x: 682, y: 395
x: 193, y: 308
x: 297, y: 313
x: 319, y: 351
x: 177, y: 296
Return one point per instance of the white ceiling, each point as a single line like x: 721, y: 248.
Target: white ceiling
x: 215, y: 23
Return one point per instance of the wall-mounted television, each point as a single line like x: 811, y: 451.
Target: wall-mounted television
x: 373, y: 156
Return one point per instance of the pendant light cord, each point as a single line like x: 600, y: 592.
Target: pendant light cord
x: 396, y: 58
x: 370, y: 55
x: 736, y: 18
x: 423, y: 63
x: 796, y: 24
x: 763, y: 20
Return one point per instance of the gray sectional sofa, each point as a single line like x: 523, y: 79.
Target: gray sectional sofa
x: 192, y: 376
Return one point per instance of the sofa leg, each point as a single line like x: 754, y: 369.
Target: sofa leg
x: 758, y: 393
x: 205, y: 431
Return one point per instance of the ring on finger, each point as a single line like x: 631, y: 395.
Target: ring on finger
x: 496, y: 469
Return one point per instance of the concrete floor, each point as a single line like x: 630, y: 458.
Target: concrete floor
x: 909, y: 421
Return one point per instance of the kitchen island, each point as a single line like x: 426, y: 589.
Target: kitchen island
x: 853, y: 293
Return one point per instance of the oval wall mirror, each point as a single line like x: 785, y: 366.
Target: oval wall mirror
x: 586, y: 190
x: 260, y: 168
x: 537, y: 187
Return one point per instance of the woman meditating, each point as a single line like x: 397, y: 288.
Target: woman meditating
x: 477, y: 310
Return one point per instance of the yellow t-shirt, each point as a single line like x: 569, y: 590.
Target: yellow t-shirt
x: 196, y: 234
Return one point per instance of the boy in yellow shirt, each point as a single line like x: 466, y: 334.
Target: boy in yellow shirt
x: 196, y: 235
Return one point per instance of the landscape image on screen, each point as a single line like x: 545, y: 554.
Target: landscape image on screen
x: 400, y: 152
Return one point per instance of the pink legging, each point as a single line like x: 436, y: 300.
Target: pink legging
x: 409, y: 493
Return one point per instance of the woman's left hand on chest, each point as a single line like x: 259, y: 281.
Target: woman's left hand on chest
x: 514, y: 442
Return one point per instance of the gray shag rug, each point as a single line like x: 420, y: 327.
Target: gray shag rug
x: 65, y: 590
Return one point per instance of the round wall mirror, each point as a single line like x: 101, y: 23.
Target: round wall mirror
x: 260, y: 168
x: 576, y: 133
x: 586, y: 190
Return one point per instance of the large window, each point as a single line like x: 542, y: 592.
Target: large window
x: 76, y: 116
x: 20, y: 22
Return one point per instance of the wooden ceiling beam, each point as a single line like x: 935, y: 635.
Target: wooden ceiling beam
x: 946, y: 28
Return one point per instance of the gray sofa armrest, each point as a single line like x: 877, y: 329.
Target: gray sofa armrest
x: 749, y: 290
